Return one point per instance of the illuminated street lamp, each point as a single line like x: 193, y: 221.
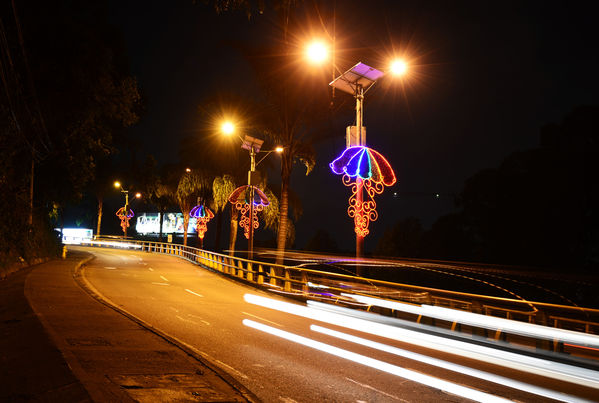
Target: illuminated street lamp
x: 253, y: 145
x: 362, y: 167
x: 125, y: 213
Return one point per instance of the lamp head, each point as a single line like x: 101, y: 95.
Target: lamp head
x: 117, y: 184
x: 398, y: 67
x: 279, y: 149
x: 317, y: 52
x: 228, y: 128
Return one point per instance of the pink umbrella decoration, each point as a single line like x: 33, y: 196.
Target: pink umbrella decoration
x: 202, y: 215
x: 125, y: 217
x: 372, y: 172
x: 240, y: 198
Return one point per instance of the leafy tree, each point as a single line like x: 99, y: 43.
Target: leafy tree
x: 222, y: 187
x: 194, y: 187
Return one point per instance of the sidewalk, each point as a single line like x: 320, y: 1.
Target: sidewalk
x: 57, y: 343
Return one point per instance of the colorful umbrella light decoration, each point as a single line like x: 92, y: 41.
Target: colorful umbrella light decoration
x: 202, y: 215
x: 240, y: 199
x: 372, y: 172
x: 125, y: 217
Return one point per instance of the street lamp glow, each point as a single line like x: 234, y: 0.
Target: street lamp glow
x: 117, y: 184
x: 398, y: 67
x: 279, y: 149
x: 137, y: 195
x: 228, y: 128
x: 317, y: 52
x: 188, y: 170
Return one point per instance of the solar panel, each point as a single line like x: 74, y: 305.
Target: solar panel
x: 250, y: 142
x: 359, y: 75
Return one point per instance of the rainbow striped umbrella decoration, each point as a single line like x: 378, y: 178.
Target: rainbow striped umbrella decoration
x: 202, y: 215
x: 240, y: 198
x: 363, y: 168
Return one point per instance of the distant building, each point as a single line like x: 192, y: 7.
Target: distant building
x: 149, y: 223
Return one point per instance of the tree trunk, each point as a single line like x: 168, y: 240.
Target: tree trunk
x: 185, y: 225
x: 100, y: 205
x: 283, y: 207
x: 219, y: 228
x: 161, y: 219
x: 233, y: 233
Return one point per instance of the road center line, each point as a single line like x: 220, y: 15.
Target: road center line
x: 149, y: 268
x: 164, y: 278
x: 265, y: 320
x: 161, y: 283
x: 194, y: 293
x: 110, y: 267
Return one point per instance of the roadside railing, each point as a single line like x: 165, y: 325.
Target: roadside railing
x: 334, y: 288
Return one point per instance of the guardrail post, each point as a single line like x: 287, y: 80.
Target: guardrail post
x: 273, y: 276
x: 260, y: 276
x: 305, y: 288
x: 240, y: 269
x: 250, y: 272
x: 287, y: 285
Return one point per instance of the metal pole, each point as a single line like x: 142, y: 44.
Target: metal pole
x: 126, y: 211
x: 359, y: 115
x: 251, y: 229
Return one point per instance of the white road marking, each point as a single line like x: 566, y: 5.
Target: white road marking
x: 186, y: 320
x: 194, y: 293
x: 110, y: 267
x: 174, y: 309
x: 205, y: 322
x: 287, y: 399
x: 265, y: 320
x: 161, y: 283
x: 164, y: 278
x: 233, y: 369
x: 149, y: 268
x: 144, y: 263
x: 376, y: 390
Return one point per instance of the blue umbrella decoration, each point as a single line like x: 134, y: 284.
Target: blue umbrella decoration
x: 202, y: 215
x: 363, y: 168
x: 240, y: 199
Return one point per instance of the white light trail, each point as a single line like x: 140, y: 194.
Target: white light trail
x: 449, y: 365
x: 116, y: 244
x: 550, y: 369
x: 484, y: 321
x: 380, y: 365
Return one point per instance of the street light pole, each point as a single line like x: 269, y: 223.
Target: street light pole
x: 251, y: 187
x: 361, y: 141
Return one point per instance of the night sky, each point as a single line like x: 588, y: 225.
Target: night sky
x: 485, y: 77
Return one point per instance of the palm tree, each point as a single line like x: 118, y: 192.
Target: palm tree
x: 194, y: 186
x: 222, y: 187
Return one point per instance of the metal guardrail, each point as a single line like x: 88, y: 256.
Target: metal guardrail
x: 327, y: 286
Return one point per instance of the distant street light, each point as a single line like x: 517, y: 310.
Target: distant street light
x: 253, y: 145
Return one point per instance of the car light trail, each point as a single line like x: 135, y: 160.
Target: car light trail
x: 449, y: 365
x: 554, y: 370
x: 380, y: 365
x: 484, y: 321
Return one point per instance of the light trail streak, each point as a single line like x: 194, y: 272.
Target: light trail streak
x: 550, y: 369
x: 484, y: 321
x: 379, y: 365
x: 449, y: 365
x: 262, y: 319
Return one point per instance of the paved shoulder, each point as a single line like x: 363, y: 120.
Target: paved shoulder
x: 31, y: 367
x: 115, y: 358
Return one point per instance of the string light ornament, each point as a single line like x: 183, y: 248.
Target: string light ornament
x: 363, y: 169
x: 125, y: 216
x: 202, y: 215
x: 240, y: 199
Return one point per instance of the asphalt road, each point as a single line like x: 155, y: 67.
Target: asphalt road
x: 206, y: 311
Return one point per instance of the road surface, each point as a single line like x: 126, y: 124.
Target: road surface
x: 280, y: 357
